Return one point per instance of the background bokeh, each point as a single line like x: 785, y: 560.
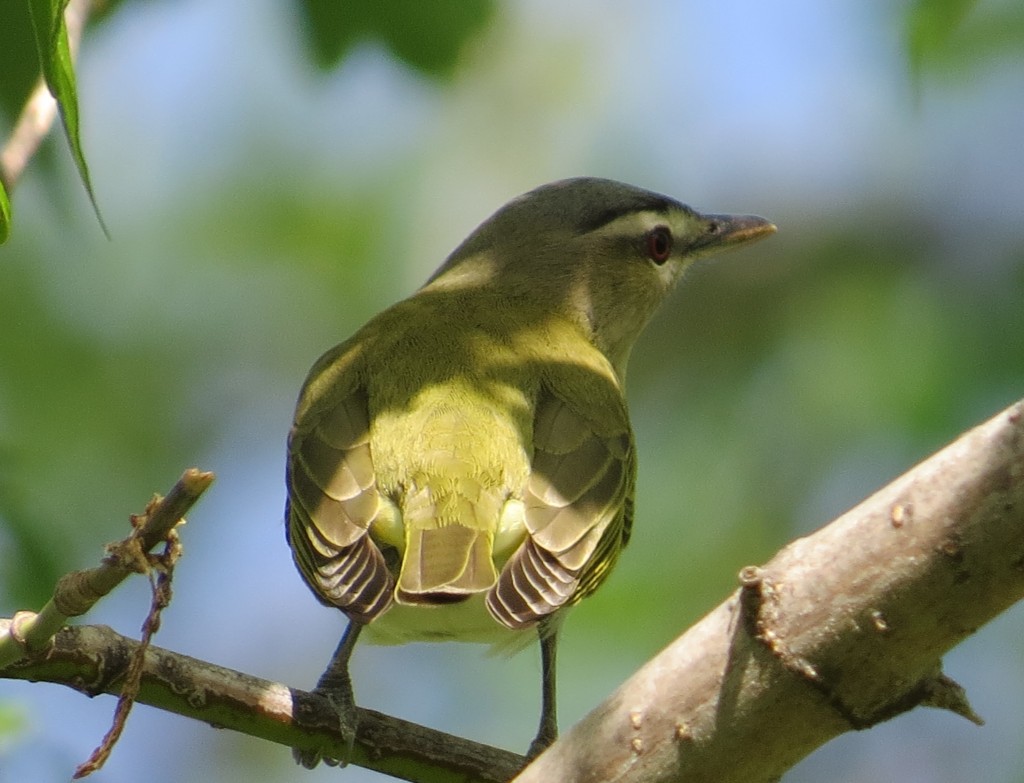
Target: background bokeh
x: 267, y: 190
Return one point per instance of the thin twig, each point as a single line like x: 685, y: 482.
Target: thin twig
x: 78, y: 591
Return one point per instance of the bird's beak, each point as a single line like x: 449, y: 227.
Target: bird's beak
x: 725, y: 231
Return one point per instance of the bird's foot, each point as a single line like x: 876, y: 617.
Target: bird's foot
x: 544, y: 739
x: 336, y: 711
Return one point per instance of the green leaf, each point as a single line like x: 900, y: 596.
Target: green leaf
x: 5, y: 214
x: 426, y: 36
x: 55, y: 58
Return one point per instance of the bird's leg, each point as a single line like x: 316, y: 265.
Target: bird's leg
x: 336, y: 686
x: 547, y: 732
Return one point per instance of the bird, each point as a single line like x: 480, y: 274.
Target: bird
x: 463, y: 467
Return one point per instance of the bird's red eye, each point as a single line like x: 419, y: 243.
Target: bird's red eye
x: 659, y: 244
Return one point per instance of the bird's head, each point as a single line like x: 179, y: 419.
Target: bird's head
x: 598, y: 252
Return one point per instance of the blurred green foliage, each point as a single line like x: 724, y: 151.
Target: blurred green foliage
x: 12, y: 723
x: 957, y: 37
x: 98, y: 398
x: 426, y: 36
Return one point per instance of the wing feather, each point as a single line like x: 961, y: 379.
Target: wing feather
x: 332, y: 502
x: 578, y: 511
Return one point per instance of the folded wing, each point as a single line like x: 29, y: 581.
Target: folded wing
x: 578, y: 506
x: 332, y: 501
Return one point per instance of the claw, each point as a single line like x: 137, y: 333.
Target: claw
x: 540, y: 743
x: 345, y: 721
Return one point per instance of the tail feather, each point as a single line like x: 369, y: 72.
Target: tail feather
x: 445, y: 564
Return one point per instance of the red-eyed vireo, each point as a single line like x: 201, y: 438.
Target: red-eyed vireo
x: 462, y: 468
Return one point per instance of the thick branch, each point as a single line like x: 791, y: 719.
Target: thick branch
x: 841, y: 630
x: 93, y: 659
